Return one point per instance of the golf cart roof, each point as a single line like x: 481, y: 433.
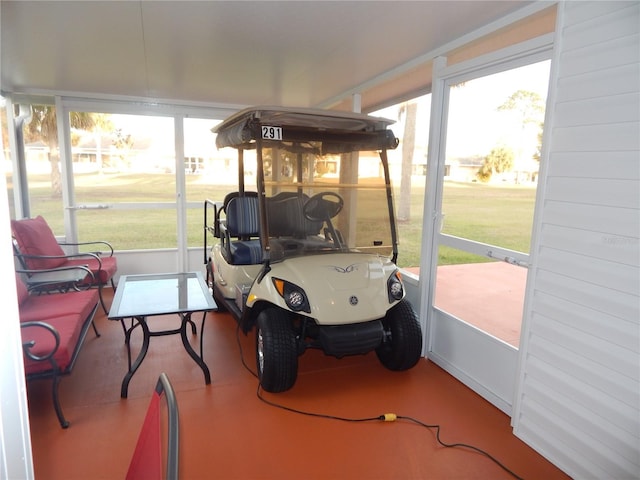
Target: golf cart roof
x: 339, y: 131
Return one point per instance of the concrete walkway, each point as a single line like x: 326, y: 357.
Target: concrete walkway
x: 489, y: 296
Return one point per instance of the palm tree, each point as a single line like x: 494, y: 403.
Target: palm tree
x: 43, y: 126
x: 499, y: 160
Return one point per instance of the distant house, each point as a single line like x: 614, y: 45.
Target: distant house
x: 37, y: 157
x: 466, y: 170
x: 463, y: 169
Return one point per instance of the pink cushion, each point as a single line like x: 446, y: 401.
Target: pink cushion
x: 34, y: 237
x: 45, y: 307
x: 69, y: 329
x: 23, y: 293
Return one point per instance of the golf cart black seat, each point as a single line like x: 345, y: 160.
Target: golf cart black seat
x: 240, y: 232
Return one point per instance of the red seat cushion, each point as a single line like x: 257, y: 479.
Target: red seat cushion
x: 69, y: 329
x: 109, y: 267
x: 35, y: 237
x: 47, y: 306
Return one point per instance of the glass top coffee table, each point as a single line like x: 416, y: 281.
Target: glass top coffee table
x: 139, y: 297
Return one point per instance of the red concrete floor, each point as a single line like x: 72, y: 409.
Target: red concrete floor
x: 227, y: 432
x: 489, y: 296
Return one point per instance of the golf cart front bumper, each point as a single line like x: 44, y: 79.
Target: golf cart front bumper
x: 352, y: 339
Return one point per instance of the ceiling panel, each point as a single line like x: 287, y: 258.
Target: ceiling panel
x: 239, y: 52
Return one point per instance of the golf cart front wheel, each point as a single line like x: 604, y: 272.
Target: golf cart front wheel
x: 402, y: 347
x: 276, y: 352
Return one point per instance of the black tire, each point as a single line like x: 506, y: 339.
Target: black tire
x: 276, y: 352
x: 403, y: 344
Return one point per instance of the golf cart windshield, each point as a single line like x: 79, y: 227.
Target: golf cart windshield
x: 321, y: 177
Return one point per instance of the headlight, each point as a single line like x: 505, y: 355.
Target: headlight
x: 395, y: 289
x: 293, y: 296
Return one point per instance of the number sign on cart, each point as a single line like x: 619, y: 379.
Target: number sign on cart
x: 271, y: 133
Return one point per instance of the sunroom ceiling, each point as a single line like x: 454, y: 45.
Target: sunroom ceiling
x: 307, y: 53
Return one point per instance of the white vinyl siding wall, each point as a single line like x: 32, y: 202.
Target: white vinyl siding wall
x: 577, y: 400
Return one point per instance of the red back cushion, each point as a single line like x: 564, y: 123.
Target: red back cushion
x: 34, y: 237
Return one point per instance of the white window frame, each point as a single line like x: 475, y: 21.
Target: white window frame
x: 65, y: 105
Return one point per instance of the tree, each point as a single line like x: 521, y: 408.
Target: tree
x: 538, y: 153
x: 410, y: 111
x: 528, y: 105
x: 123, y: 144
x: 101, y: 123
x: 499, y: 160
x: 43, y: 126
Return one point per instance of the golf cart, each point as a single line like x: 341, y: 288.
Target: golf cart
x: 306, y: 246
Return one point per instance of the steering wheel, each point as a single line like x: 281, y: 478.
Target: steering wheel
x: 319, y: 208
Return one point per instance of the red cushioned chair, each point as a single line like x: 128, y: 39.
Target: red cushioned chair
x: 53, y: 329
x: 36, y: 247
x: 146, y: 463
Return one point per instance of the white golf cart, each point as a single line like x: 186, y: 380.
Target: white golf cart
x: 307, y: 244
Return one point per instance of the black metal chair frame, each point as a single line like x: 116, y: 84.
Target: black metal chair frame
x: 95, y: 255
x: 55, y: 373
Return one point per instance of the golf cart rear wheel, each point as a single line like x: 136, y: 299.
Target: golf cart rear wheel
x: 276, y: 352
x: 403, y: 346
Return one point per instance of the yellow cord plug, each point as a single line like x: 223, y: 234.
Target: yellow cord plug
x: 389, y: 417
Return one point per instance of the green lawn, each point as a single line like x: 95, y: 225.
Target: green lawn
x: 496, y: 214
x: 500, y: 215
